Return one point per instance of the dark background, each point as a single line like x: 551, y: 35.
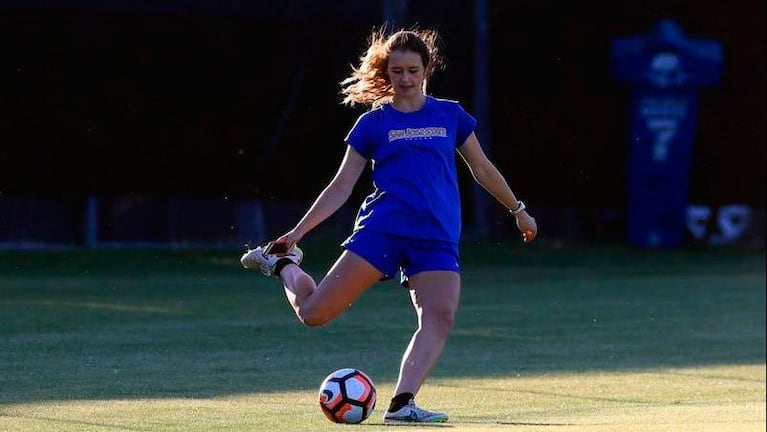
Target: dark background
x: 234, y: 100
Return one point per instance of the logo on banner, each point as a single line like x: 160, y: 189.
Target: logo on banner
x: 666, y: 70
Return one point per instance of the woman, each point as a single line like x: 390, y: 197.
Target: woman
x: 412, y: 220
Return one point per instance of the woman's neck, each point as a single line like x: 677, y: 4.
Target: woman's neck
x: 409, y: 104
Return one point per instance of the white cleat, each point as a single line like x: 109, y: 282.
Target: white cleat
x: 410, y: 413
x: 256, y: 258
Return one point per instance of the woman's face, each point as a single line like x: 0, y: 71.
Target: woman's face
x: 406, y: 73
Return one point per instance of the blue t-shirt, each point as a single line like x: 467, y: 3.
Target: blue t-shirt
x: 413, y: 168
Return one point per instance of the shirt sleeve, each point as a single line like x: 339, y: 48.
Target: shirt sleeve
x: 359, y: 137
x: 465, y: 126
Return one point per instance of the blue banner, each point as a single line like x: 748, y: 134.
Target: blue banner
x: 666, y: 71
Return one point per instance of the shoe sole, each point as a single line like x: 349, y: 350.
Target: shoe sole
x: 414, y: 422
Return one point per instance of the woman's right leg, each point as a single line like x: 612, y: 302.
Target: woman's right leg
x: 316, y: 304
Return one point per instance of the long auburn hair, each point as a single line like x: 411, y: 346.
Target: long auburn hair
x: 369, y: 84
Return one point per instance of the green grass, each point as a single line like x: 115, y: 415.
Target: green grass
x: 577, y: 339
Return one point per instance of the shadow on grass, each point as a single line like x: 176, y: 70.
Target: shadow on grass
x: 79, y: 423
x: 85, y: 325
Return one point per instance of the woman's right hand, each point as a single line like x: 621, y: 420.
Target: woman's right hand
x: 290, y: 238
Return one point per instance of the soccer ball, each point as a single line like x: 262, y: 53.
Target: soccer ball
x: 347, y: 396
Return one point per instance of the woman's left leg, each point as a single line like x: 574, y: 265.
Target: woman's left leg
x: 435, y: 296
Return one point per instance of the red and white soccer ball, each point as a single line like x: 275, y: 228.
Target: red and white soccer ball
x: 347, y: 396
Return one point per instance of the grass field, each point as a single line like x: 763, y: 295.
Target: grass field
x: 601, y: 338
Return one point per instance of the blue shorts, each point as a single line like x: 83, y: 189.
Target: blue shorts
x: 390, y: 253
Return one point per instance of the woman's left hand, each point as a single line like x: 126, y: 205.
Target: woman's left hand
x: 527, y: 226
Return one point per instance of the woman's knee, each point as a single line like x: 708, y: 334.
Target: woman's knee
x: 442, y: 319
x: 312, y: 317
x: 349, y: 277
x: 317, y: 310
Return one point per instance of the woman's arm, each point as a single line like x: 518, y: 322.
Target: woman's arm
x: 331, y: 198
x: 488, y: 176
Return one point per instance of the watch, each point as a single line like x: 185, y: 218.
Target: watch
x: 520, y: 207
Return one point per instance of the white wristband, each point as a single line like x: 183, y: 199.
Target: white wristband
x: 520, y: 207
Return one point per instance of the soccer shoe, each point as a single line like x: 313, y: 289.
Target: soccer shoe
x: 256, y: 258
x: 410, y: 413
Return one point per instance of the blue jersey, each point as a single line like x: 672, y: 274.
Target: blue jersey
x: 413, y: 168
